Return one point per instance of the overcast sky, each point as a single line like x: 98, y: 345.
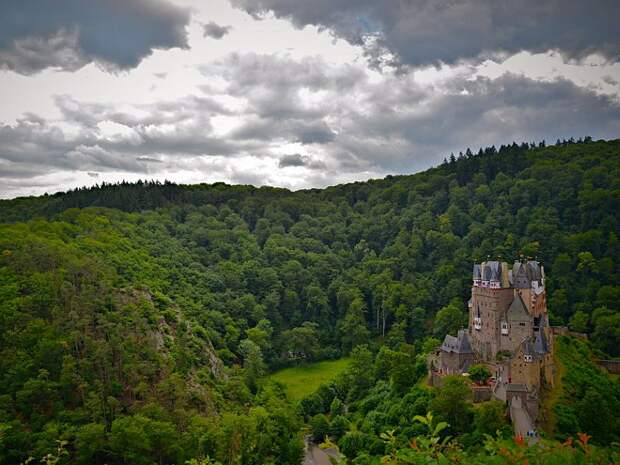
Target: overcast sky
x: 292, y: 93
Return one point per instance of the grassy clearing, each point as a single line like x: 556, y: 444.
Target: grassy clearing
x: 305, y: 379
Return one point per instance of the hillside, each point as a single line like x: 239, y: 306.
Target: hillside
x: 585, y: 396
x: 136, y: 320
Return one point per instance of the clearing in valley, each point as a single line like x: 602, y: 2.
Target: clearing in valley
x: 305, y: 379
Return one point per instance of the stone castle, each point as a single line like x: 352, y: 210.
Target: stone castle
x: 508, y: 331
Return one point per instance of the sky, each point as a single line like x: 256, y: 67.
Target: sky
x: 291, y: 93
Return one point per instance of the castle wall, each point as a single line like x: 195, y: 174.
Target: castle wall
x: 481, y: 393
x: 612, y: 366
x: 535, y: 302
x: 517, y: 331
x: 548, y: 370
x: 523, y: 372
x: 453, y: 363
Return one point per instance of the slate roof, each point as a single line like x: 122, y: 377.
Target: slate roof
x: 536, y: 348
x: 534, y: 270
x: 540, y: 343
x: 477, y: 272
x: 528, y: 347
x: 517, y: 310
x: 459, y: 344
x: 491, y: 271
x: 524, y: 273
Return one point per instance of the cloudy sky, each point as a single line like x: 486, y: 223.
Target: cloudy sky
x: 293, y: 93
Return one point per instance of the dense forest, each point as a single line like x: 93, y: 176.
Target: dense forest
x: 137, y: 320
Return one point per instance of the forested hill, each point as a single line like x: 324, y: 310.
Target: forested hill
x: 153, y: 309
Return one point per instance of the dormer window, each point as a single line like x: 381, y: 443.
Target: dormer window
x: 504, y: 328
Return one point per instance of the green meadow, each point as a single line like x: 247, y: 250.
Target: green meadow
x: 305, y: 379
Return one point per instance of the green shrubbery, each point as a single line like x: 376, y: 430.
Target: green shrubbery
x: 590, y: 399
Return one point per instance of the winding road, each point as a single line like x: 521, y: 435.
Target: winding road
x: 521, y: 420
x: 314, y: 455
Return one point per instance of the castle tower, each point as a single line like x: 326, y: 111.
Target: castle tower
x: 491, y: 296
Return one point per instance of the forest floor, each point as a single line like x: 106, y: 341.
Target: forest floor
x: 303, y: 380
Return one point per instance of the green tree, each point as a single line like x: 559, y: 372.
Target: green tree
x: 451, y: 404
x: 253, y: 364
x: 479, y: 373
x: 449, y: 320
x: 129, y: 440
x: 90, y: 443
x: 336, y: 407
x: 360, y: 374
x: 353, y: 327
x: 319, y: 426
x: 338, y: 427
x: 490, y: 417
x: 302, y: 342
x: 579, y: 322
x: 606, y: 334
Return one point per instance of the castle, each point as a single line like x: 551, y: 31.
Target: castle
x: 508, y: 331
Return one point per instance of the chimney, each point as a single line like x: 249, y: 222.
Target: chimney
x: 504, y: 275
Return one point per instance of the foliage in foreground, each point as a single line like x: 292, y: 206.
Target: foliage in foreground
x: 433, y: 447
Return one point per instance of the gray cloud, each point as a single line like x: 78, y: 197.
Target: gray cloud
x: 254, y: 72
x: 398, y: 125
x: 148, y: 159
x: 352, y: 126
x: 37, y: 146
x: 297, y: 160
x: 424, y: 32
x: 274, y: 87
x: 39, y: 34
x: 294, y: 159
x: 293, y: 130
x: 214, y: 30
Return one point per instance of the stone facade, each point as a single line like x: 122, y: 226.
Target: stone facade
x: 456, y: 354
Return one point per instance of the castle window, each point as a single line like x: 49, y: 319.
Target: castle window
x: 504, y: 328
x: 521, y: 324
